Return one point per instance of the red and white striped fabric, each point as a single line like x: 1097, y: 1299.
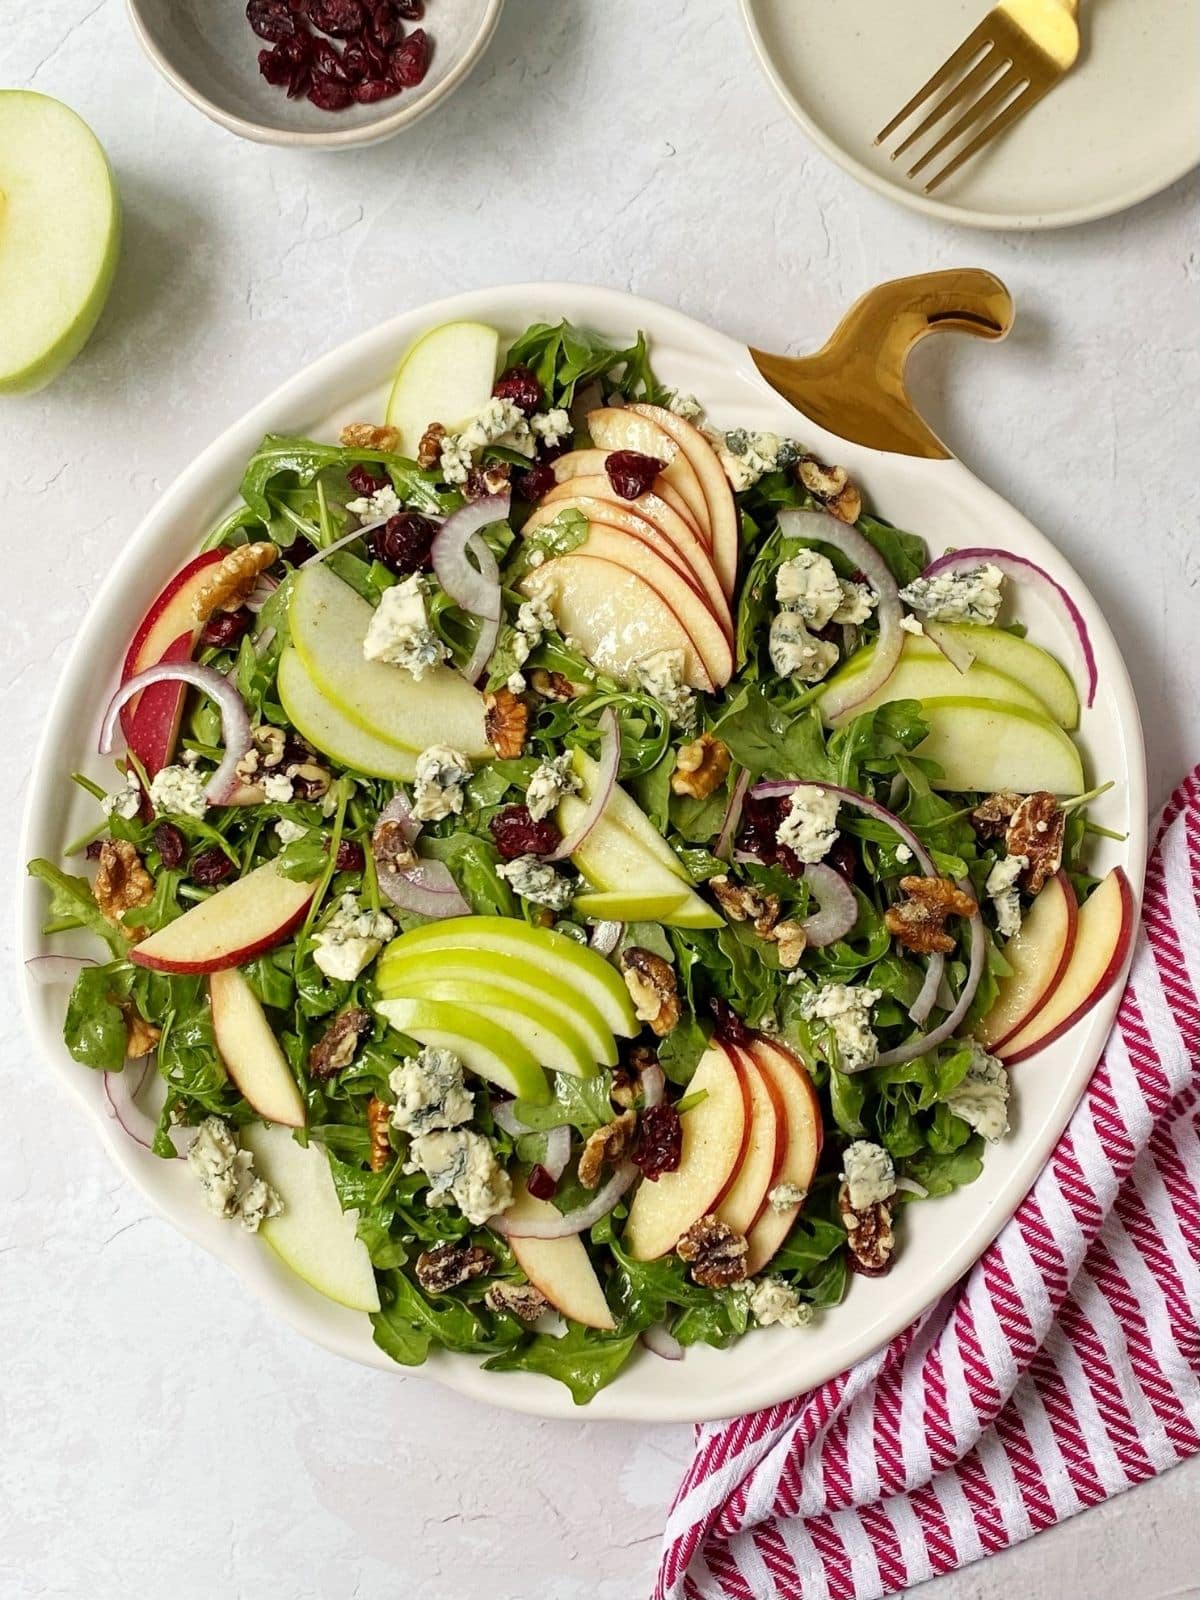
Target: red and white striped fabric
x: 1064, y: 1368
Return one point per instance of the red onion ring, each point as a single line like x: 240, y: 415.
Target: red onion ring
x: 473, y: 589
x: 235, y: 720
x: 263, y: 642
x: 56, y: 969
x: 654, y: 1084
x: 662, y: 1342
x: 857, y: 548
x: 959, y: 655
x: 606, y: 777
x: 120, y: 1095
x: 485, y: 644
x: 504, y: 1115
x: 837, y: 908
x: 911, y: 1186
x: 558, y: 1150
x: 1022, y: 571
x: 264, y: 587
x: 427, y: 887
x: 606, y: 936
x: 919, y: 1043
x: 926, y: 999
x: 723, y: 848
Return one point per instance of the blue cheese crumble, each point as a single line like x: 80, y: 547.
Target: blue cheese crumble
x: 773, y: 1301
x: 687, y: 407
x: 462, y: 1168
x: 498, y: 422
x: 277, y: 788
x: 981, y: 1097
x: 552, y: 426
x: 809, y: 829
x: 430, y: 1093
x: 537, y: 882
x: 868, y: 1174
x: 378, y: 506
x: 178, y: 791
x: 746, y: 457
x: 796, y: 653
x: 290, y: 832
x: 845, y: 1009
x: 786, y: 1195
x: 661, y: 676
x: 554, y: 778
x: 1001, y: 888
x: 438, y: 783
x: 124, y: 802
x: 533, y: 621
x: 232, y: 1188
x: 399, y: 631
x: 971, y: 596
x: 351, y: 940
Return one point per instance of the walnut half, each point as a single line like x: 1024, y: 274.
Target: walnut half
x: 121, y: 884
x: 715, y: 1253
x: 1035, y: 831
x: 700, y: 767
x: 379, y: 1121
x: 918, y: 920
x: 336, y: 1047
x: 652, y: 988
x: 870, y: 1237
x: 505, y: 723
x: 520, y: 1300
x: 832, y: 487
x: 233, y: 578
x: 370, y: 436
x: 608, y: 1143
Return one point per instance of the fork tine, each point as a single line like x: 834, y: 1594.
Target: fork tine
x: 977, y: 78
x: 1028, y: 97
x: 962, y: 58
x: 987, y: 102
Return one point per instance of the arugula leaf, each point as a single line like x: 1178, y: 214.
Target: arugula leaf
x: 679, y: 1053
x: 764, y: 738
x: 473, y: 861
x: 586, y: 1103
x: 565, y: 533
x: 565, y: 357
x: 582, y: 1359
x: 905, y: 553
x: 72, y: 905
x: 94, y: 1028
x: 943, y: 1173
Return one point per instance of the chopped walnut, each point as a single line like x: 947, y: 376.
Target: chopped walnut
x: 370, y: 436
x: 140, y: 1036
x: 309, y: 780
x: 336, y: 1047
x: 832, y: 487
x: 505, y: 723
x: 429, y: 451
x: 270, y: 744
x: 447, y: 1265
x: 520, y: 1300
x: 626, y: 1080
x: 651, y: 984
x: 716, y: 1254
x: 552, y: 685
x: 700, y: 767
x: 990, y: 820
x: 232, y: 579
x: 791, y: 941
x: 489, y: 479
x: 1035, y: 831
x: 608, y: 1143
x: 869, y: 1235
x: 391, y: 847
x: 122, y: 883
x: 379, y: 1117
x: 918, y: 920
x: 747, y: 904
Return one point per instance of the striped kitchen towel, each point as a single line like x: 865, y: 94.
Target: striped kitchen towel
x: 1064, y: 1368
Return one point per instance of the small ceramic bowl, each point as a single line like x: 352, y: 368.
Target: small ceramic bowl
x: 207, y: 50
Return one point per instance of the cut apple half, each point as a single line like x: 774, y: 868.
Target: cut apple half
x: 591, y: 464
x: 801, y: 1151
x: 987, y: 745
x: 547, y: 1035
x: 446, y: 377
x: 483, y: 1046
x: 744, y: 1199
x: 714, y: 1137
x: 231, y: 927
x: 923, y: 673
x: 327, y: 728
x: 623, y: 428
x: 560, y: 1268
x: 1103, y: 933
x: 616, y: 616
x: 250, y: 1051
x: 1038, y: 955
x: 312, y: 1234
x: 719, y: 503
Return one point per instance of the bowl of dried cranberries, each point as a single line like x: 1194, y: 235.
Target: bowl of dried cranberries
x: 324, y: 73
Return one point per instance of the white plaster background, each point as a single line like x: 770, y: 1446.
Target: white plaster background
x: 158, y: 1434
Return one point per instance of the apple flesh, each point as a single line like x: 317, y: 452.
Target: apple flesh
x: 592, y: 464
x: 720, y: 507
x: 326, y: 727
x: 746, y: 1195
x: 60, y: 237
x: 1017, y: 658
x: 801, y: 1112
x: 622, y: 428
x: 1038, y: 955
x: 445, y: 377
x: 250, y: 1052
x: 312, y: 1234
x: 560, y: 1268
x: 923, y: 673
x: 548, y: 1036
x: 714, y: 1137
x: 1103, y: 935
x: 484, y: 1047
x: 987, y: 745
x: 231, y: 927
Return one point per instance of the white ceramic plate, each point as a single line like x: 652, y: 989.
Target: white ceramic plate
x: 1122, y: 125
x: 938, y: 499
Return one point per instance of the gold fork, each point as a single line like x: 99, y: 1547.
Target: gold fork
x: 1016, y: 55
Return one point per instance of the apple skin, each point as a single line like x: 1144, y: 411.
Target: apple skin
x: 720, y: 507
x: 746, y: 1195
x: 560, y: 1268
x: 447, y: 374
x: 552, y: 1040
x: 987, y: 745
x: 925, y: 674
x: 590, y: 464
x: 323, y: 724
x: 1103, y: 935
x: 1039, y: 955
x: 231, y: 927
x: 485, y: 1047
x: 802, y: 1151
x: 250, y: 1051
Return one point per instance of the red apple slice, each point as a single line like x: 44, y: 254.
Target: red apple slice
x: 746, y: 1195
x: 1038, y: 955
x: 1103, y: 934
x: 621, y: 428
x: 230, y: 927
x: 590, y: 464
x: 168, y: 632
x: 619, y: 516
x: 714, y: 1137
x: 250, y: 1051
x: 802, y: 1151
x: 718, y: 496
x: 615, y: 615
x: 560, y: 1268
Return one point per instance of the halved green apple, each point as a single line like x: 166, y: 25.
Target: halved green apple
x: 483, y: 1046
x: 987, y: 745
x: 445, y: 377
x: 923, y: 673
x: 551, y: 1039
x: 328, y: 729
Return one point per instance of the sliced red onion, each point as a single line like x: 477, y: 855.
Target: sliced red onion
x: 662, y: 1342
x: 960, y: 656
x: 340, y: 544
x: 45, y: 970
x: 857, y: 548
x: 850, y: 797
x: 654, y: 1084
x: 473, y: 588
x: 121, y: 1090
x: 235, y: 720
x: 1022, y: 571
x: 911, y: 1186
x: 485, y: 644
x: 504, y: 1115
x: 723, y: 848
x: 919, y: 1011
x: 263, y: 642
x: 558, y: 1150
x: 837, y: 908
x: 399, y: 810
x: 606, y: 936
x: 264, y: 587
x: 919, y: 1043
x: 428, y: 888
x: 606, y: 777
x: 573, y: 1222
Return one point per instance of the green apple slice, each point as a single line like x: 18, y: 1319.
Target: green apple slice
x: 445, y: 377
x: 538, y: 951
x: 312, y: 1234
x: 613, y: 905
x: 1028, y: 663
x: 624, y: 812
x: 329, y: 730
x: 484, y: 1047
x: 396, y: 973
x: 986, y: 745
x: 60, y: 237
x: 550, y: 1039
x: 923, y: 673
x: 328, y: 623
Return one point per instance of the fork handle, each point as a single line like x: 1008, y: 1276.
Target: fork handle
x: 854, y: 385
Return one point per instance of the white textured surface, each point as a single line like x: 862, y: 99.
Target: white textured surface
x: 157, y: 1434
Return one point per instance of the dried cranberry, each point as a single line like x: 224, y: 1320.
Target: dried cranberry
x: 540, y: 1184
x: 760, y: 822
x: 631, y: 473
x: 329, y: 94
x: 359, y: 478
x: 225, y: 628
x: 298, y: 551
x: 411, y: 61
x: 551, y: 452
x: 350, y: 856
x: 403, y: 543
x: 275, y: 67
x: 211, y: 866
x: 517, y: 834
x: 659, y: 1143
x: 372, y: 89
x: 297, y: 752
x: 376, y: 55
x: 344, y: 19
x: 170, y: 844
x: 355, y: 64
x: 385, y: 25
x: 843, y: 858
x: 532, y: 485
x: 92, y: 852
x: 325, y: 59
x: 271, y: 19
x: 730, y: 1027
x: 410, y: 10
x: 520, y: 385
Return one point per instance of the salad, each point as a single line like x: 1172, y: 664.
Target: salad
x: 574, y: 877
